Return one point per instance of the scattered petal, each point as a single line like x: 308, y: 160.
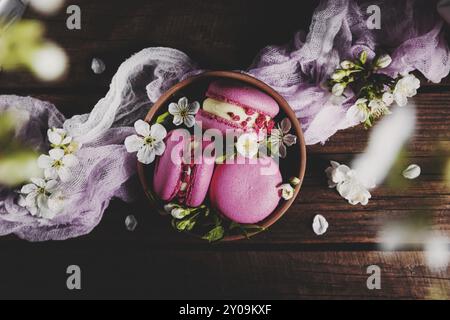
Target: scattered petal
x: 412, y: 172
x: 131, y: 223
x: 320, y: 225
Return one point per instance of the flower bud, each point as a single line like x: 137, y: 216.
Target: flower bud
x: 338, y: 89
x: 383, y: 61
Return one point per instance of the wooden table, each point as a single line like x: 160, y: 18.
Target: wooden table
x: 289, y: 260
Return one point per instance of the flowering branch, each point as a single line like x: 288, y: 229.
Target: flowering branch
x: 375, y: 91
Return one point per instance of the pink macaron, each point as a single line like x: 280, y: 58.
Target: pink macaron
x: 246, y: 192
x: 180, y: 175
x: 231, y: 105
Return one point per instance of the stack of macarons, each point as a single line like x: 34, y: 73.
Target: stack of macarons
x: 243, y: 191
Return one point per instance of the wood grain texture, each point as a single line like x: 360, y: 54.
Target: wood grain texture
x: 141, y: 272
x: 288, y: 261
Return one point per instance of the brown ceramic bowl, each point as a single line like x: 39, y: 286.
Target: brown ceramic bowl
x: 194, y: 88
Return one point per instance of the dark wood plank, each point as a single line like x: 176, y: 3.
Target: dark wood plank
x: 217, y: 34
x: 135, y: 271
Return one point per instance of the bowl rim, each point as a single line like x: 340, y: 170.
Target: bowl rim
x: 284, y: 105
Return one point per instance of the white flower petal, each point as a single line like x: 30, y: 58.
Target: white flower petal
x: 412, y: 172
x: 183, y: 103
x: 67, y: 140
x: 56, y: 203
x: 28, y: 188
x: 177, y: 120
x: 174, y: 109
x: 193, y: 108
x: 44, y: 162
x: 54, y: 137
x: 159, y: 148
x: 56, y: 154
x: 70, y: 161
x: 320, y: 225
x: 158, y: 132
x: 51, y: 173
x: 39, y: 182
x: 133, y: 143
x: 142, y: 128
x: 30, y: 199
x: 51, y: 185
x: 64, y: 174
x: 146, y: 155
x: 189, y: 121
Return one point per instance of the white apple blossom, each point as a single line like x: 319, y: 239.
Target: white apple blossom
x: 347, y: 183
x: 41, y: 198
x: 184, y: 112
x: 287, y: 191
x: 358, y: 111
x: 406, y: 88
x: 57, y: 164
x: 59, y: 139
x: 148, y: 143
x: 248, y: 145
x: 280, y: 138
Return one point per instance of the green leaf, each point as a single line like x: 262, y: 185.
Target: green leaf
x: 363, y: 57
x: 214, y: 234
x: 162, y: 117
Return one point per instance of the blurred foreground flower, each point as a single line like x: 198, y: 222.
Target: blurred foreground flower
x: 17, y: 162
x: 22, y: 46
x: 47, y: 6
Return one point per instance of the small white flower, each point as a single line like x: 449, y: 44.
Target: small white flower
x: 280, y: 138
x: 406, y: 88
x: 184, y: 112
x: 338, y: 89
x: 248, y: 145
x: 388, y: 98
x: 383, y: 61
x: 40, y: 198
x: 347, y: 184
x: 57, y: 164
x: 60, y: 140
x: 148, y: 143
x: 358, y: 111
x: 287, y: 191
x: 412, y: 172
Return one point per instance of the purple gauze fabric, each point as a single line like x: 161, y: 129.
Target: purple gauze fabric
x: 411, y: 33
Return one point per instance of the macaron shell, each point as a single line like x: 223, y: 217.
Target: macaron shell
x: 168, y: 171
x: 200, y: 184
x: 243, y: 95
x: 246, y: 193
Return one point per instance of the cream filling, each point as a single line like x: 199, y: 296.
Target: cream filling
x: 229, y: 112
